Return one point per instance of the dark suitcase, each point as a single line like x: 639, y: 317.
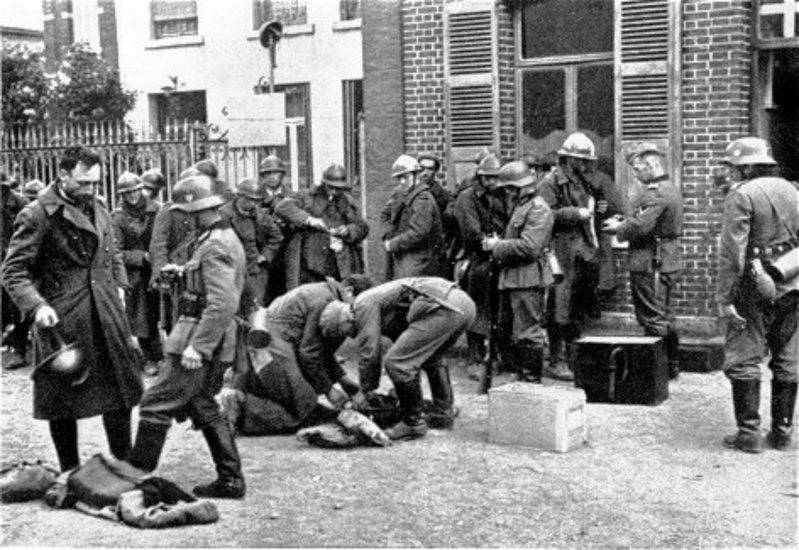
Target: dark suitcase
x: 630, y: 370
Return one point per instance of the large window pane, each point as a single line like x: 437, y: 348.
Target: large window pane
x: 566, y: 27
x: 595, y: 111
x: 543, y: 102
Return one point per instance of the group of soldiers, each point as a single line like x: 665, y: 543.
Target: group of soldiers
x: 255, y: 288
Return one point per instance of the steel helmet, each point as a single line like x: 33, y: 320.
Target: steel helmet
x: 404, y: 165
x: 250, y: 188
x: 32, y: 188
x: 153, y: 179
x: 489, y: 166
x: 640, y: 148
x: 272, y: 163
x: 189, y: 172
x: 749, y: 150
x: 333, y: 319
x: 336, y: 176
x: 128, y: 182
x: 515, y: 174
x: 63, y: 360
x: 207, y: 168
x: 578, y: 145
x: 194, y: 194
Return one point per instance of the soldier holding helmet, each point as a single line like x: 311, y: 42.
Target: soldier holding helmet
x: 200, y: 347
x: 760, y: 213
x: 63, y: 263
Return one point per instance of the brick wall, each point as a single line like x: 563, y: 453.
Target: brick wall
x: 58, y: 31
x: 507, y: 88
x: 716, y: 64
x: 383, y: 114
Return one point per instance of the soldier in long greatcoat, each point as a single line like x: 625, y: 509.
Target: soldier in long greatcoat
x: 64, y: 271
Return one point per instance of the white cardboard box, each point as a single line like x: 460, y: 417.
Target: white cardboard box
x: 550, y: 418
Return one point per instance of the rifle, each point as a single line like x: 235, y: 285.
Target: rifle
x: 493, y: 308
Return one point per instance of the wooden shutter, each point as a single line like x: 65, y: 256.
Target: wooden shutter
x: 647, y: 44
x: 471, y: 82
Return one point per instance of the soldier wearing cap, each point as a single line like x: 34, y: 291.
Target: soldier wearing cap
x: 430, y: 166
x: 17, y: 339
x: 64, y: 271
x: 207, y: 167
x: 653, y: 231
x: 326, y: 230
x: 525, y: 273
x: 259, y: 234
x: 424, y: 317
x: 760, y: 213
x: 481, y: 211
x: 569, y: 193
x: 133, y: 222
x: 413, y: 238
x: 200, y: 347
x: 271, y: 174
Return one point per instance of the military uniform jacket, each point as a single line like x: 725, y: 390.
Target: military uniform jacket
x: 259, y: 234
x: 173, y: 230
x: 416, y: 236
x: 309, y: 249
x: 570, y: 234
x: 657, y: 218
x: 479, y: 215
x: 133, y: 230
x: 385, y: 310
x: 521, y: 252
x: 58, y: 257
x: 294, y: 317
x: 215, y: 273
x: 751, y: 221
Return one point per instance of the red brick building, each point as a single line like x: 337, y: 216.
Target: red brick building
x: 455, y: 76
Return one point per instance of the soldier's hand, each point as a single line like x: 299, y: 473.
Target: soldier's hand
x: 337, y: 396
x: 316, y: 223
x: 611, y: 225
x: 490, y: 242
x: 585, y: 214
x: 730, y: 313
x: 387, y: 245
x: 191, y: 359
x: 340, y: 231
x: 46, y: 317
x: 360, y: 400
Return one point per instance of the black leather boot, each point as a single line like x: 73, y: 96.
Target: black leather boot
x: 412, y: 426
x: 783, y: 402
x: 442, y: 413
x: 150, y: 439
x: 117, y: 432
x: 64, y: 433
x: 746, y: 402
x: 230, y: 480
x: 530, y: 362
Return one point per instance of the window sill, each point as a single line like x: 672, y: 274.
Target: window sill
x: 352, y: 24
x: 288, y: 30
x: 175, y: 42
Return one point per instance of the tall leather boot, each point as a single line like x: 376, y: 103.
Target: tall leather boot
x: 477, y: 354
x: 412, y: 426
x: 117, y: 432
x: 230, y: 480
x: 783, y: 402
x: 529, y: 362
x: 672, y: 344
x: 150, y: 439
x: 443, y: 412
x: 64, y: 433
x: 746, y: 402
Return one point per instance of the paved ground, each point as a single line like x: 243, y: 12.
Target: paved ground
x: 648, y: 477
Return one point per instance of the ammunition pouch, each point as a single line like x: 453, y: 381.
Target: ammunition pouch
x: 780, y: 261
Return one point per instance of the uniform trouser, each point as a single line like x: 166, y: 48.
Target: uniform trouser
x: 568, y: 301
x: 432, y: 330
x: 527, y: 305
x: 182, y: 393
x: 652, y: 310
x: 770, y: 330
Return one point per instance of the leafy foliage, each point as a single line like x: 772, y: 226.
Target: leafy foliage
x: 25, y: 87
x: 85, y: 88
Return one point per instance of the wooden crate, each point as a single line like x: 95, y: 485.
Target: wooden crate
x: 549, y: 418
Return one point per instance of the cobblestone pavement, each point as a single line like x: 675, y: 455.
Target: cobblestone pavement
x: 648, y: 477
